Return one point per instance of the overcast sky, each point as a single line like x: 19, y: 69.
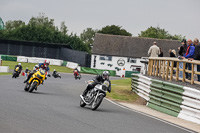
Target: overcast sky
x: 175, y: 16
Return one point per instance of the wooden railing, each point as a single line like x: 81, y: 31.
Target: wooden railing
x: 164, y: 67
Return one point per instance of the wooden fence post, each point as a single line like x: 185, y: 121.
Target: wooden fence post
x: 192, y: 74
x: 177, y: 71
x: 171, y: 71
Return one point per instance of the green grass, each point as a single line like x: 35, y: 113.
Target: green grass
x: 121, y: 91
x: 30, y: 66
x: 5, y: 73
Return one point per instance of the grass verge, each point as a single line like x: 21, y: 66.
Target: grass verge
x: 30, y: 66
x: 5, y: 73
x: 121, y: 91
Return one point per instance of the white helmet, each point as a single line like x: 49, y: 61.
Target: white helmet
x: 105, y: 74
x: 36, y: 67
x: 19, y: 64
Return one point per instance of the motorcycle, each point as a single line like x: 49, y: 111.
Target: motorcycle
x: 16, y: 73
x: 36, y: 79
x: 95, y: 96
x: 57, y: 75
x: 77, y: 75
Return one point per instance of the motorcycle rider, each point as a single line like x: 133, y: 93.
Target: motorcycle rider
x: 20, y: 67
x: 76, y: 71
x: 98, y: 79
x: 35, y: 69
x: 45, y: 65
x: 27, y: 71
x: 55, y: 74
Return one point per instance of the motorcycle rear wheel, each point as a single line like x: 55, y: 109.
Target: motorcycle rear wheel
x: 33, y: 86
x: 97, y: 102
x: 82, y: 104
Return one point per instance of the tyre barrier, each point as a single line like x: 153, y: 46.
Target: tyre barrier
x: 175, y: 100
x: 4, y: 69
x: 38, y: 60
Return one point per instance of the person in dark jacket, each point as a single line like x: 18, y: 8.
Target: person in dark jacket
x: 161, y: 53
x: 98, y: 79
x: 182, y: 50
x: 197, y: 55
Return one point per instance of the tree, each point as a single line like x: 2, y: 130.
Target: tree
x: 114, y: 30
x: 11, y: 25
x: 88, y: 37
x: 42, y: 20
x: 157, y: 32
x: 63, y: 28
x: 42, y: 29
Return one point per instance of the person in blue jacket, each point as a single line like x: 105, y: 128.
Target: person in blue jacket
x: 189, y: 54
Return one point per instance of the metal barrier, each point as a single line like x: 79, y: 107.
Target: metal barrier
x: 164, y: 67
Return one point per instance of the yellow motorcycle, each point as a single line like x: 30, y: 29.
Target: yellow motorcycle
x: 36, y: 79
x: 16, y: 73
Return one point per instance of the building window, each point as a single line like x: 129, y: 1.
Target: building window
x: 108, y: 58
x: 131, y: 60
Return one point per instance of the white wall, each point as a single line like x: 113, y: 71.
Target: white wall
x: 115, y: 63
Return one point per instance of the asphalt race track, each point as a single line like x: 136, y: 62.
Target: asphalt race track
x: 54, y: 108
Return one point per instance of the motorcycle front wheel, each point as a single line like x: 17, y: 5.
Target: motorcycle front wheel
x: 33, y: 86
x: 97, y: 102
x: 26, y: 88
x: 82, y: 104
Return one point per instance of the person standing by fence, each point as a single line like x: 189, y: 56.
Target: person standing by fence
x: 161, y: 53
x: 197, y: 54
x: 189, y: 54
x: 154, y: 50
x: 182, y: 50
x: 172, y: 53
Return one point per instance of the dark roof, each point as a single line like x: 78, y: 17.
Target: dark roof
x: 126, y: 46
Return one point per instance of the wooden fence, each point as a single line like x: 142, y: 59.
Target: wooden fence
x: 164, y: 67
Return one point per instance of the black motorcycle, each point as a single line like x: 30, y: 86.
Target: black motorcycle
x: 95, y: 96
x: 56, y: 75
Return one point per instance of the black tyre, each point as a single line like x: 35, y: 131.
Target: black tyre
x: 97, y: 102
x: 26, y: 88
x: 14, y: 75
x: 82, y: 104
x: 33, y: 86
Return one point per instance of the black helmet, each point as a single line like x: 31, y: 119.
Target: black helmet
x: 105, y: 75
x: 183, y: 41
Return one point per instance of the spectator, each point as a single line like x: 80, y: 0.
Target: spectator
x: 172, y: 53
x: 161, y: 53
x: 197, y: 54
x: 154, y: 50
x: 182, y: 50
x: 189, y: 54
